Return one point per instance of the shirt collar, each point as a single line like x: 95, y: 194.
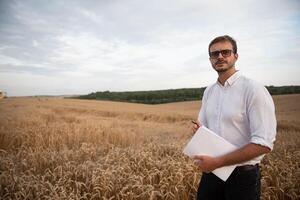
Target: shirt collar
x: 230, y: 81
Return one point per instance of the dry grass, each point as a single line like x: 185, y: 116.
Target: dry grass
x: 76, y: 149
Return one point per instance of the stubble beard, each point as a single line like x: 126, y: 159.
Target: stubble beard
x: 223, y: 70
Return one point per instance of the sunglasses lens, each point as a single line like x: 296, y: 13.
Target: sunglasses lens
x: 226, y: 53
x: 214, y: 54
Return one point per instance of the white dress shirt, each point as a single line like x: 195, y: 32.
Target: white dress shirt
x: 242, y: 111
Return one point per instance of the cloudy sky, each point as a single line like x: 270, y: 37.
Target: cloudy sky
x: 77, y: 47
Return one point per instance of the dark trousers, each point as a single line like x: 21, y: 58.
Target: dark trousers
x: 242, y: 184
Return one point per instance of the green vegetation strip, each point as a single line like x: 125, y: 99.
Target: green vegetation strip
x: 171, y: 95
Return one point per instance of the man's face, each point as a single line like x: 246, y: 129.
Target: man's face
x: 220, y: 62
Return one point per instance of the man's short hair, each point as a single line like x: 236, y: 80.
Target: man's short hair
x: 224, y: 38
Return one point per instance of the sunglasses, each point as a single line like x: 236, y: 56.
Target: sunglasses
x: 225, y: 53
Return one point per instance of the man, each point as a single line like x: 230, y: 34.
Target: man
x: 241, y: 111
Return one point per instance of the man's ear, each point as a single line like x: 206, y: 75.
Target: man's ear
x: 236, y: 56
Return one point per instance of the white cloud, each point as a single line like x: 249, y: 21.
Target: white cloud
x: 142, y: 45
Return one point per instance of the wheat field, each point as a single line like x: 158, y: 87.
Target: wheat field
x: 53, y: 148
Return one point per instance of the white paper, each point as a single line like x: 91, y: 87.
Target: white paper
x: 206, y: 142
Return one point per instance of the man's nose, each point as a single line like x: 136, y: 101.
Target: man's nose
x: 220, y: 55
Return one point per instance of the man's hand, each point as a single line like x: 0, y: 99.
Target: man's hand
x: 195, y: 126
x: 245, y: 153
x: 207, y: 163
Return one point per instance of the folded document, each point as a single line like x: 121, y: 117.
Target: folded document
x: 206, y: 142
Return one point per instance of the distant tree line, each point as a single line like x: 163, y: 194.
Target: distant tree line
x: 278, y: 90
x: 171, y: 95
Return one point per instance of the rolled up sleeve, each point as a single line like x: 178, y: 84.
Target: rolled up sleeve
x: 261, y: 115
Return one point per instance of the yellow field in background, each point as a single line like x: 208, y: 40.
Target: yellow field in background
x: 54, y: 148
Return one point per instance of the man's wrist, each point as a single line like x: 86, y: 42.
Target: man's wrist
x: 220, y: 161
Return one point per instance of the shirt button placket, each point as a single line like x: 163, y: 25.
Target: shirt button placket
x: 220, y: 105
